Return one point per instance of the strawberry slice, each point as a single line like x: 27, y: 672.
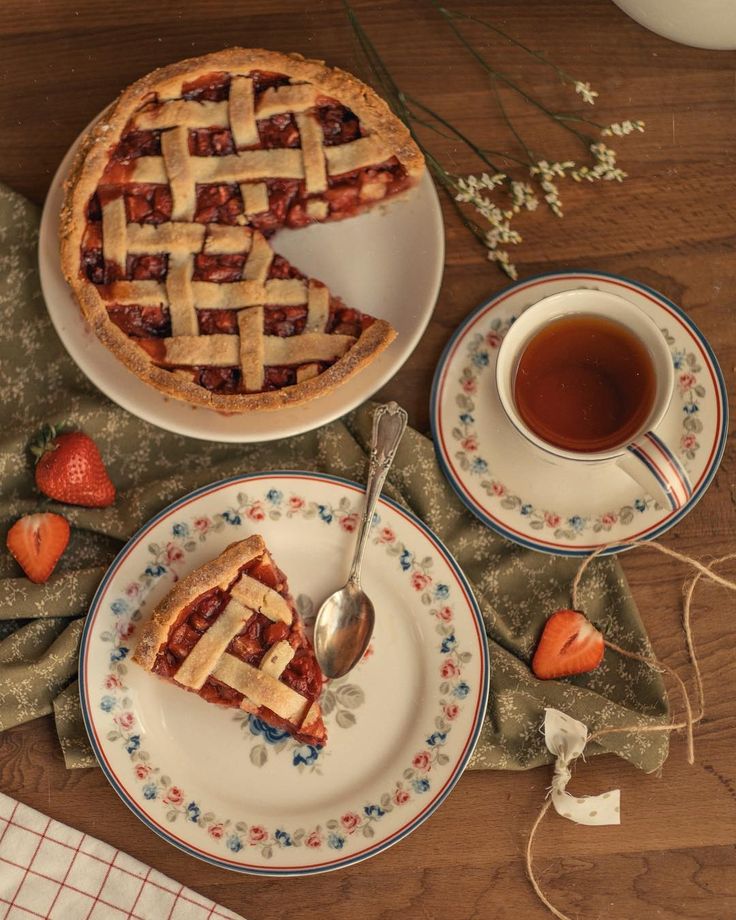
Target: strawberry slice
x: 569, y: 644
x: 37, y: 542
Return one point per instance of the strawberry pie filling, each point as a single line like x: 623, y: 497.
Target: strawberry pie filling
x: 148, y: 325
x: 302, y: 674
x: 288, y: 205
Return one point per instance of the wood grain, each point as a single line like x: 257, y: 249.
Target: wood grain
x: 671, y: 225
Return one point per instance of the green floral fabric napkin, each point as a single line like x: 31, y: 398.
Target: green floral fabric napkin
x: 40, y: 625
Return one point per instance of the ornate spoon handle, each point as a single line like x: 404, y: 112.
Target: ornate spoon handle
x: 389, y: 424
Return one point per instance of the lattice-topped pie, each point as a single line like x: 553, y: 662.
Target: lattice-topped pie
x: 168, y: 211
x: 229, y: 632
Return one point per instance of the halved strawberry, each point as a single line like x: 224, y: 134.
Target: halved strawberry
x: 569, y: 644
x: 37, y: 542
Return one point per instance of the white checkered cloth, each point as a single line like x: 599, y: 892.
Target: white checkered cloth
x: 50, y: 870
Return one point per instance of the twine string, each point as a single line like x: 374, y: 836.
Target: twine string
x: 652, y: 544
x: 690, y: 720
x: 671, y: 726
x: 687, y: 629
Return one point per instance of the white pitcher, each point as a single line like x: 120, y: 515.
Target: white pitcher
x: 701, y: 23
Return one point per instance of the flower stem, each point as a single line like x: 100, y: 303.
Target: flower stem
x: 398, y: 103
x: 456, y: 131
x: 584, y: 138
x: 473, y: 190
x: 581, y: 119
x: 510, y: 125
x: 457, y: 14
x: 483, y: 150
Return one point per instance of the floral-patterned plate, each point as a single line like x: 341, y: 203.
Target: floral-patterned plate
x: 554, y: 505
x: 225, y: 787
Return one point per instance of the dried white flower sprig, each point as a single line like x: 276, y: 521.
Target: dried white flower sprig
x: 490, y: 219
x: 584, y: 90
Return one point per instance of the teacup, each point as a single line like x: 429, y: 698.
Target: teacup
x: 642, y: 454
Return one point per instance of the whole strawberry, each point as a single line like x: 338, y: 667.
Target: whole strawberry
x: 70, y: 469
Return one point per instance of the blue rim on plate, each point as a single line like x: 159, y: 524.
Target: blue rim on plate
x: 561, y: 276
x: 404, y: 830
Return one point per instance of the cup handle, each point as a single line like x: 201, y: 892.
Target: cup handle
x: 657, y: 470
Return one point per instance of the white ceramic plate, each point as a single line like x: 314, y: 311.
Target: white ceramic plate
x: 555, y: 506
x: 387, y: 262
x: 223, y: 786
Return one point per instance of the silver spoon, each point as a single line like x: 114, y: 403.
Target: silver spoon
x: 345, y: 621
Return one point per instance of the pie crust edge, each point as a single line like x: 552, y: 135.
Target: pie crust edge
x: 92, y: 158
x: 222, y: 568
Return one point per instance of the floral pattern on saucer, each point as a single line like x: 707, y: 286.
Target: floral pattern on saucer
x: 336, y: 832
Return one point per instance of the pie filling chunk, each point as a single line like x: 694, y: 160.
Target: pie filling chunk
x: 230, y: 633
x: 169, y: 210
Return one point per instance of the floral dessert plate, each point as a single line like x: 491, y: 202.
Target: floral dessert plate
x: 225, y: 787
x: 387, y: 263
x: 561, y: 506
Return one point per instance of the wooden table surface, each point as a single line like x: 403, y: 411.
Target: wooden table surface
x: 670, y: 225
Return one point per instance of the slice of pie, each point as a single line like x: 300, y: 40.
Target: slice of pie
x: 170, y: 203
x: 229, y: 632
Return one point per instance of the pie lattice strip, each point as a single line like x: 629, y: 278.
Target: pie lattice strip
x: 208, y: 295
x: 247, y: 597
x: 296, y: 97
x: 199, y: 663
x: 180, y: 172
x: 259, y: 260
x: 251, y: 348
x: 305, y: 348
x: 240, y: 111
x: 307, y: 372
x: 221, y: 350
x: 286, y: 163
x: 114, y: 231
x: 318, y: 308
x: 249, y: 165
x: 254, y: 594
x: 225, y: 240
x: 261, y: 689
x: 180, y: 295
x: 312, y: 139
x: 255, y: 197
x: 172, y: 238
x: 277, y: 659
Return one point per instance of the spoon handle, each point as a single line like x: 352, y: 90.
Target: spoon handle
x: 389, y: 424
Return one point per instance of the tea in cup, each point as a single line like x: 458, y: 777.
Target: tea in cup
x: 587, y: 376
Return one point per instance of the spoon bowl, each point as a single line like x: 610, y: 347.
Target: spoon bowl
x: 343, y: 630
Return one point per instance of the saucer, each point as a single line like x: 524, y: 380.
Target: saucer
x: 555, y: 505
